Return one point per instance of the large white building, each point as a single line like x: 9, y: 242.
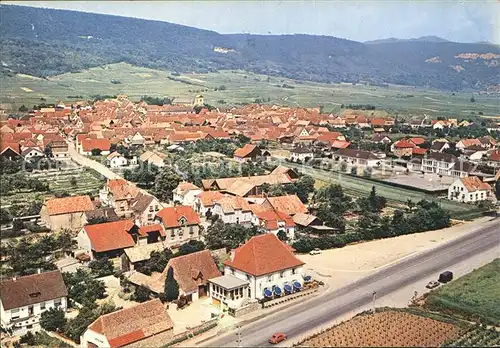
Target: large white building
x: 266, y: 264
x: 469, y: 189
x: 185, y: 193
x: 24, y: 299
x: 233, y: 210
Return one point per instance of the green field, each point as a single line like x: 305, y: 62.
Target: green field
x: 241, y: 87
x: 358, y: 186
x: 87, y: 181
x: 475, y: 295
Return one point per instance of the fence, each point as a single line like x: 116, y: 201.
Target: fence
x: 192, y: 332
x: 287, y: 298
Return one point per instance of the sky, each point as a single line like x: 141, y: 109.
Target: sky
x: 460, y: 21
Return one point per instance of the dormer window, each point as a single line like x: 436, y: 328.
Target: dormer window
x: 183, y: 221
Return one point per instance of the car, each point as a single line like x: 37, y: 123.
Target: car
x: 445, y: 277
x: 277, y: 338
x: 315, y: 252
x: 432, y: 284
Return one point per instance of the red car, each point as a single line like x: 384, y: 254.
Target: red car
x: 277, y: 338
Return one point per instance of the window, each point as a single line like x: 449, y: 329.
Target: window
x: 248, y: 278
x: 232, y: 271
x: 151, y: 208
x: 29, y: 327
x: 14, y: 313
x: 249, y: 292
x: 282, y: 275
x: 42, y: 306
x: 156, y: 207
x: 150, y: 217
x: 191, y: 229
x: 294, y: 271
x: 57, y: 302
x: 270, y: 278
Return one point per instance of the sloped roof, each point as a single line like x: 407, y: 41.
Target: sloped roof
x: 143, y: 252
x: 132, y: 324
x: 67, y: 205
x: 146, y: 229
x: 208, y: 198
x: 192, y: 270
x: 304, y: 219
x: 403, y: 144
x: 171, y: 216
x: 101, y: 144
x: 289, y: 204
x: 32, y: 289
x: 245, y: 150
x: 231, y: 203
x: 271, y: 218
x: 185, y: 186
x: 110, y: 235
x: 473, y: 183
x: 262, y: 255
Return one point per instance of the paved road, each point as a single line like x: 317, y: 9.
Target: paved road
x: 87, y: 162
x: 302, y: 318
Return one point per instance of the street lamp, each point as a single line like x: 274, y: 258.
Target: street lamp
x: 373, y: 300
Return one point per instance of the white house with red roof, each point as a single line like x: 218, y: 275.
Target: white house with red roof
x: 267, y: 264
x: 469, y: 189
x: 181, y: 223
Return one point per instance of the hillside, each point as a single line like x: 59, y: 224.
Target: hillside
x: 46, y: 42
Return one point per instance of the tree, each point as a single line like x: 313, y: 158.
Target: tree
x: 410, y: 205
x: 17, y: 225
x: 141, y: 294
x: 302, y: 187
x: 101, y: 267
x: 165, y: 182
x: 354, y: 170
x: 157, y: 262
x: 96, y: 152
x: 472, y: 99
x: 53, y: 320
x: 343, y: 166
x: 282, y: 235
x: 191, y: 247
x: 221, y: 235
x: 373, y: 203
x: 171, y: 286
x: 73, y: 181
x: 5, y: 216
x: 97, y: 220
x: 23, y: 108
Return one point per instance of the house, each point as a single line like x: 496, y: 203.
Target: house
x: 465, y: 143
x: 144, y: 207
x: 10, y: 151
x: 289, y: 172
x: 289, y: 204
x: 144, y: 325
x: 439, y: 124
x: 119, y: 193
x: 418, y: 151
x: 357, y: 157
x: 402, y: 148
x: 233, y: 210
x: 381, y: 139
x: 272, y: 221
x: 246, y: 153
x: 301, y: 153
x: 88, y: 145
x: 192, y: 273
x: 24, y: 299
x: 487, y: 141
x: 494, y: 159
x: 60, y: 150
x: 266, y: 264
x: 469, y: 189
x: 31, y: 153
x: 152, y: 158
x: 116, y: 160
x: 181, y: 223
x: 107, y: 239
x: 185, y: 193
x: 248, y: 185
x: 439, y: 146
x: 66, y: 213
x: 417, y: 141
x: 204, y: 202
x: 304, y: 220
x: 441, y: 164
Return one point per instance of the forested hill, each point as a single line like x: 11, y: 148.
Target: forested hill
x: 44, y: 42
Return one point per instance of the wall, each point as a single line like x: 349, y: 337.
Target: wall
x: 232, y: 218
x: 157, y: 340
x: 186, y: 235
x: 72, y: 221
x: 147, y: 217
x: 84, y: 241
x: 95, y: 338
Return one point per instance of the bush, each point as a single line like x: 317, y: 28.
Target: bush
x: 101, y: 267
x: 17, y: 225
x: 141, y: 294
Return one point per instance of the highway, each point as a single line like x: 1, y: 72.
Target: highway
x: 300, y: 319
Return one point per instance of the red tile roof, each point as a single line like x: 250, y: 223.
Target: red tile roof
x: 419, y: 151
x: 244, y: 151
x: 495, y: 156
x: 417, y: 140
x: 403, y: 144
x: 340, y: 144
x: 67, y: 205
x: 473, y: 183
x: 171, y: 216
x: 208, y: 198
x: 144, y: 230
x: 101, y: 144
x: 270, y: 219
x: 289, y: 204
x: 132, y: 324
x: 262, y: 255
x: 110, y: 235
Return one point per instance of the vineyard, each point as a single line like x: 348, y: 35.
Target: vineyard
x: 476, y: 337
x: 386, y: 329
x: 473, y: 296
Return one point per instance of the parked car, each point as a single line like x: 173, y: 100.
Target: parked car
x: 277, y: 338
x: 432, y: 284
x: 315, y: 252
x: 445, y: 277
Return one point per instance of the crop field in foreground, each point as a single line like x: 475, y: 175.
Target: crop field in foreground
x: 473, y: 296
x: 476, y: 337
x: 386, y: 329
x: 240, y: 87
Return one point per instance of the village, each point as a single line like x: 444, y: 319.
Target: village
x: 144, y: 224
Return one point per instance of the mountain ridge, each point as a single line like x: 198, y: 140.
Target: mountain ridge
x: 45, y: 42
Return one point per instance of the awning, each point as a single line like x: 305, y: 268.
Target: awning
x: 297, y: 285
x: 288, y: 288
x: 307, y: 278
x: 268, y: 293
x: 277, y: 291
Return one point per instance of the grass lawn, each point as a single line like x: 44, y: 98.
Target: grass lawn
x: 241, y: 87
x: 475, y: 295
